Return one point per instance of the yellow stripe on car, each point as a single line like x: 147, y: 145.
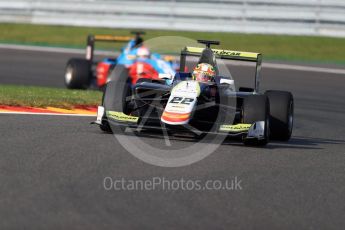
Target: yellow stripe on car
x: 235, y: 128
x: 119, y: 116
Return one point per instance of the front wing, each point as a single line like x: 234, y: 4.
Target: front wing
x: 247, y: 131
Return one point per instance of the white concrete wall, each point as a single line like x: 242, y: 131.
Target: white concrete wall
x: 296, y: 17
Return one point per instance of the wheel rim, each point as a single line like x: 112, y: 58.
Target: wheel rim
x: 68, y: 75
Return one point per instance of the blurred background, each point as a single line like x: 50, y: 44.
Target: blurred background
x: 295, y: 17
x: 316, y: 28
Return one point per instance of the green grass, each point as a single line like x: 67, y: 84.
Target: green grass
x: 273, y: 47
x: 44, y: 97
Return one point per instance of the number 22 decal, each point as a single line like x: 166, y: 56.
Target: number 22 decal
x: 181, y: 100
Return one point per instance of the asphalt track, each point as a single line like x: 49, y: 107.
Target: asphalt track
x: 52, y: 168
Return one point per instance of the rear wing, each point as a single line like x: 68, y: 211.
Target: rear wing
x: 91, y: 39
x: 226, y: 54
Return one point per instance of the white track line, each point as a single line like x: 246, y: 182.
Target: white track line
x: 50, y: 114
x: 303, y: 68
x: 293, y: 67
x: 81, y: 51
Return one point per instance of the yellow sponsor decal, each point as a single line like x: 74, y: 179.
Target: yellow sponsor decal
x: 113, y: 38
x: 122, y: 117
x: 226, y: 53
x: 235, y: 128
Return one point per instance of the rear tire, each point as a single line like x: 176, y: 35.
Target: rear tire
x: 281, y: 114
x: 256, y: 108
x: 78, y: 74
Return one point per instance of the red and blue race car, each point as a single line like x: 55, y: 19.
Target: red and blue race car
x: 83, y: 73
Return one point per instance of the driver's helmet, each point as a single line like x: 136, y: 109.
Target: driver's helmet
x: 204, y: 72
x: 143, y: 52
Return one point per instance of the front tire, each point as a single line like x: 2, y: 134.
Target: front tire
x: 117, y: 90
x: 115, y: 94
x: 78, y: 74
x: 281, y: 114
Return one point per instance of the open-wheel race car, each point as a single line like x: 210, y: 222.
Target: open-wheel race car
x: 202, y: 101
x: 84, y: 73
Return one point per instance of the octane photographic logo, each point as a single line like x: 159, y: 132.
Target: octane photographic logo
x: 163, y: 148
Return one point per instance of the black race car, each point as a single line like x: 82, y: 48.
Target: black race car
x: 201, y: 108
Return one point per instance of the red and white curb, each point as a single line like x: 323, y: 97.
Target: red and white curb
x: 53, y: 111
